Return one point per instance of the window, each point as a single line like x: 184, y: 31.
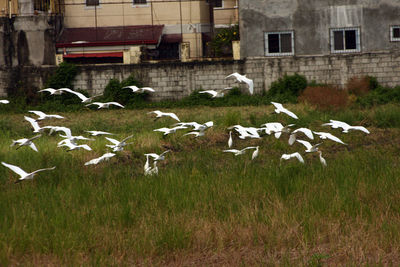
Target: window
x: 345, y: 40
x: 395, y: 33
x: 279, y: 43
x: 217, y: 3
x: 92, y: 2
x: 139, y: 2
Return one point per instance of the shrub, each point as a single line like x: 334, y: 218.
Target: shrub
x: 380, y: 95
x: 359, y: 86
x: 325, y: 97
x: 63, y: 77
x: 221, y: 44
x: 114, y: 92
x: 288, y: 85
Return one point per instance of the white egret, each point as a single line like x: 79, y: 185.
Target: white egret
x: 53, y: 129
x: 105, y: 105
x: 52, y: 91
x: 279, y: 108
x: 34, y: 124
x: 4, y: 101
x: 293, y: 155
x: 157, y: 157
x: 293, y: 135
x: 118, y: 145
x: 346, y: 127
x: 73, y: 146
x: 255, y: 153
x: 321, y: 159
x: 43, y: 116
x: 136, y: 89
x: 309, y: 148
x: 230, y: 140
x: 83, y: 98
x: 96, y: 133
x: 244, y: 79
x: 237, y: 152
x: 26, y: 142
x: 196, y: 134
x: 164, y: 114
x: 167, y: 131
x: 216, y: 93
x: 24, y: 175
x: 104, y: 157
x: 151, y: 171
x: 323, y: 135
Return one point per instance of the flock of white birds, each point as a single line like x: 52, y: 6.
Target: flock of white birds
x: 197, y: 129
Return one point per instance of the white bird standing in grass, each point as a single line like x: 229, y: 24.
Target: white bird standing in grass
x: 279, y: 108
x: 96, y: 161
x: 96, y: 133
x: 293, y: 155
x: 151, y: 171
x: 105, y: 105
x: 164, y: 114
x: 321, y: 159
x: 4, y: 101
x: 83, y: 98
x: 323, y: 135
x: 136, y: 89
x: 242, y: 78
x: 346, y: 127
x: 255, y: 153
x: 118, y: 145
x: 309, y: 148
x: 230, y: 140
x: 43, y: 116
x: 26, y: 142
x: 24, y: 175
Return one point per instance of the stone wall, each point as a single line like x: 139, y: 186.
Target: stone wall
x: 175, y: 80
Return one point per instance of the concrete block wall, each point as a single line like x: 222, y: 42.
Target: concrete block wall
x: 175, y: 80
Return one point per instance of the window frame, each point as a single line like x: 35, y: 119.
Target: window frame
x: 392, y: 38
x: 93, y: 6
x: 220, y: 7
x: 266, y: 45
x: 343, y: 30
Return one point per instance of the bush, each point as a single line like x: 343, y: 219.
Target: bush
x: 380, y: 95
x: 63, y: 77
x: 288, y: 86
x: 325, y: 97
x: 359, y: 86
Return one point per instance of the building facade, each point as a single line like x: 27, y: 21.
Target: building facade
x: 274, y: 28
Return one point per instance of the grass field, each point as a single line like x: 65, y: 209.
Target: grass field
x: 206, y: 207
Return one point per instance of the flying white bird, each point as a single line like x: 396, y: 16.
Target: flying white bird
x: 24, y: 175
x: 276, y: 127
x: 196, y: 126
x: 216, y: 93
x: 95, y: 161
x: 157, y: 157
x: 26, y: 142
x: 43, y: 115
x: 321, y: 159
x: 244, y: 79
x: 196, y: 134
x: 67, y: 131
x: 136, y: 89
x: 230, y: 140
x: 53, y: 91
x: 34, y: 124
x: 118, y: 145
x: 105, y: 105
x: 293, y: 135
x: 83, y: 98
x: 323, y: 135
x: 4, y: 101
x: 164, y: 114
x: 96, y: 133
x: 73, y: 146
x: 309, y: 148
x: 293, y: 155
x: 346, y: 127
x: 246, y: 132
x: 237, y: 152
x: 167, y: 131
x: 279, y: 108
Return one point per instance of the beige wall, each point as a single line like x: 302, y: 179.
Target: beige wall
x: 4, y: 7
x: 228, y: 14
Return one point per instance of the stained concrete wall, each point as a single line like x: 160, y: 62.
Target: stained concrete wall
x: 28, y: 40
x: 175, y: 80
x: 311, y: 21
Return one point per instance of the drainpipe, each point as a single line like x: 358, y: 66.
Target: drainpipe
x: 9, y: 8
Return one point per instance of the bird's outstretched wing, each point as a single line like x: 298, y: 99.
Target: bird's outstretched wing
x: 112, y: 140
x: 305, y: 143
x: 116, y: 104
x: 46, y: 169
x: 15, y: 169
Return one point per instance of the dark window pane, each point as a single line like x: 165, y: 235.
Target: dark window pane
x: 286, y: 43
x: 350, y: 39
x: 396, y: 32
x: 338, y: 40
x: 136, y: 2
x: 92, y: 2
x: 218, y: 3
x: 273, y: 43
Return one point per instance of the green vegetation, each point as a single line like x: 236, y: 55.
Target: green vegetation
x: 205, y: 207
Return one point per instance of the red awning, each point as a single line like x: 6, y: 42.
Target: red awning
x: 112, y: 54
x: 110, y: 36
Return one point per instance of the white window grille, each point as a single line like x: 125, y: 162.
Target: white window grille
x: 345, y: 40
x: 279, y: 43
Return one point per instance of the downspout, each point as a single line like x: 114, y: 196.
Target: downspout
x: 9, y: 8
